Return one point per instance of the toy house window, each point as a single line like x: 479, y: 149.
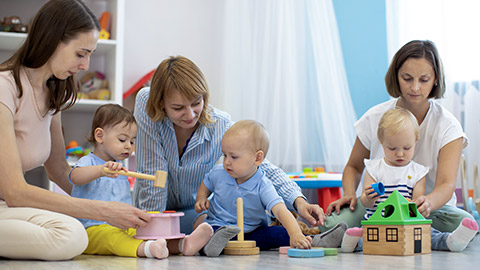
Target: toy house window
x: 372, y: 234
x: 417, y: 234
x: 392, y: 235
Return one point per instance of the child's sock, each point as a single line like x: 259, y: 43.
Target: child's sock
x: 157, y: 249
x: 459, y: 239
x: 191, y: 244
x: 351, y: 238
x: 220, y: 239
x: 331, y: 238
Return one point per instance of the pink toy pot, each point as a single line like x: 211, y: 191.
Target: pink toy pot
x: 162, y: 225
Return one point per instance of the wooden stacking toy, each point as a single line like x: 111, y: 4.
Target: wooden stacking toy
x: 158, y: 179
x: 240, y: 246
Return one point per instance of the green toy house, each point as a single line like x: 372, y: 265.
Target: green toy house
x: 396, y: 228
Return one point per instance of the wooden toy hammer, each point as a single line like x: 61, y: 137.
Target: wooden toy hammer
x: 159, y: 178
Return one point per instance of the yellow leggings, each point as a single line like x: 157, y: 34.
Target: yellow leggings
x: 108, y: 240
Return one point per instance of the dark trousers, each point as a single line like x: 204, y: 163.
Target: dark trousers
x: 267, y: 237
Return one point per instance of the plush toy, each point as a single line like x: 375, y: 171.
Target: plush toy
x: 94, y: 86
x: 13, y: 24
x: 305, y: 229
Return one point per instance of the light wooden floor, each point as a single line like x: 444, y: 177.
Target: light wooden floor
x: 469, y: 259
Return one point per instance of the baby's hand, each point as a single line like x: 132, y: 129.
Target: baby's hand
x: 113, y: 166
x: 202, y: 205
x: 371, y: 194
x: 301, y: 241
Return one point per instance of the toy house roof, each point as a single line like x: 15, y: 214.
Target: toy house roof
x: 396, y: 210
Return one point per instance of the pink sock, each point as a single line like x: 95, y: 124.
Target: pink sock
x: 458, y: 240
x: 191, y: 244
x: 351, y: 238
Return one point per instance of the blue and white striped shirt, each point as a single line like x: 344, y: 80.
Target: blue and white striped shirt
x: 156, y: 149
x: 394, y: 178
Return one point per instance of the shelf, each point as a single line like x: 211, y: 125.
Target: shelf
x: 12, y: 41
x: 88, y: 105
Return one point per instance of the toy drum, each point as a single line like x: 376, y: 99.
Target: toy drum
x: 162, y: 225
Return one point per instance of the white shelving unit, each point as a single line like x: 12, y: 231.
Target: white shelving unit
x: 107, y: 58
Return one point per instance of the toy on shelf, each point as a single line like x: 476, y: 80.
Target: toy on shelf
x: 13, y: 24
x: 74, y: 151
x: 159, y: 178
x: 94, y: 85
x: 162, y: 225
x: 104, y: 26
x: 396, y: 228
x: 240, y: 246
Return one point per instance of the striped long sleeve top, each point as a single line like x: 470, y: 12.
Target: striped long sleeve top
x: 156, y: 149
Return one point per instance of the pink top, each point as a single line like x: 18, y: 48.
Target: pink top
x: 32, y: 130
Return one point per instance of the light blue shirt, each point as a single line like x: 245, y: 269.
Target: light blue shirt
x: 102, y: 189
x: 258, y: 195
x: 156, y: 149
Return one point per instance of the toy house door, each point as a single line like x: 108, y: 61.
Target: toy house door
x: 417, y: 240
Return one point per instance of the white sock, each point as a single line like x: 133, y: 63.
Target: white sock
x: 350, y: 239
x: 146, y: 249
x: 181, y: 244
x: 156, y: 249
x: 458, y: 240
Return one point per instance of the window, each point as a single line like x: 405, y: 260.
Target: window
x: 417, y: 234
x: 392, y: 235
x: 372, y: 234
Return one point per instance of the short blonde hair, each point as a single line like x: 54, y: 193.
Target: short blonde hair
x: 177, y: 73
x: 255, y: 132
x: 396, y: 120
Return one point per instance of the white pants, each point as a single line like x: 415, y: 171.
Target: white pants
x: 30, y: 233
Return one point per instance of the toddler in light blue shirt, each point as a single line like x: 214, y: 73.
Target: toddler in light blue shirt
x: 113, y: 133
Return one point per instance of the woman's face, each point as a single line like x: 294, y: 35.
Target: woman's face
x: 73, y: 56
x: 183, y: 112
x: 416, y: 78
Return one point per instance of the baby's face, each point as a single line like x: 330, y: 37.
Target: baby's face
x: 238, y: 157
x: 118, y: 141
x: 399, y: 148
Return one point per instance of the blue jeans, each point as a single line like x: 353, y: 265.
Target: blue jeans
x: 267, y: 237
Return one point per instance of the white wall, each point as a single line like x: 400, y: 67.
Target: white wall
x: 157, y: 29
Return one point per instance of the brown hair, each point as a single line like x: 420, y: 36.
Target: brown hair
x: 255, y: 133
x: 177, y: 73
x: 56, y: 21
x: 416, y: 49
x: 396, y: 120
x: 109, y: 115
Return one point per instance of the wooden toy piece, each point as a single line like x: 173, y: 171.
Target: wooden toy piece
x: 161, y: 225
x: 306, y: 253
x: 159, y: 178
x: 328, y: 251
x: 396, y: 228
x: 283, y: 250
x: 241, y: 247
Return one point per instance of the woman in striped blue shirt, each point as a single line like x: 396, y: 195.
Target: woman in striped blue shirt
x: 179, y: 132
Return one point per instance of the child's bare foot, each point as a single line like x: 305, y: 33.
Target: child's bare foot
x: 191, y: 244
x: 157, y: 249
